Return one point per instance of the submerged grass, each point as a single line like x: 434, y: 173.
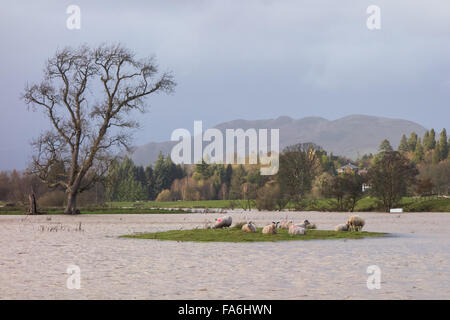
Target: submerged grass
x: 236, y: 235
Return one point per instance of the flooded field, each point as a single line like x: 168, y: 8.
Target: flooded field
x: 35, y: 252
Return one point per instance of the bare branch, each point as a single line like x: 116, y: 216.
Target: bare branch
x: 88, y: 96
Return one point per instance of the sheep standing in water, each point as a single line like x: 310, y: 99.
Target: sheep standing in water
x: 249, y: 227
x: 296, y: 229
x: 342, y: 227
x: 223, y: 222
x: 356, y: 223
x: 271, y: 228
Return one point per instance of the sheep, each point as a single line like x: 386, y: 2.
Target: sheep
x: 286, y: 224
x: 249, y: 227
x: 296, y: 229
x: 271, y: 228
x: 342, y: 227
x: 304, y: 224
x: 223, y: 222
x: 356, y: 223
x: 311, y: 226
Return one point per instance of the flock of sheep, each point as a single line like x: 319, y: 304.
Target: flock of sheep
x: 354, y: 223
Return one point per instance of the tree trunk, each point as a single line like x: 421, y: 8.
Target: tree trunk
x: 33, y: 206
x: 71, y: 206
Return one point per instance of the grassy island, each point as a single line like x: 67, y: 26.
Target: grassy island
x: 236, y: 235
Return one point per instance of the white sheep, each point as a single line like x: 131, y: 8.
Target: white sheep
x: 249, y: 227
x: 304, y: 224
x: 296, y: 229
x: 286, y: 224
x: 223, y: 222
x: 271, y: 228
x: 342, y: 227
x: 356, y: 223
x: 311, y: 226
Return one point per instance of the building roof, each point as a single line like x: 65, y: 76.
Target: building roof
x: 350, y: 166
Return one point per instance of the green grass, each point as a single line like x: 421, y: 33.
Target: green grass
x: 236, y: 235
x: 429, y: 205
x: 367, y: 204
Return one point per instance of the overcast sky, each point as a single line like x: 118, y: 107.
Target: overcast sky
x: 252, y: 59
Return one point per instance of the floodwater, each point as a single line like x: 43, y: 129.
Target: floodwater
x: 35, y: 252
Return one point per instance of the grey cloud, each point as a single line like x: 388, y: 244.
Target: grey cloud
x: 242, y: 59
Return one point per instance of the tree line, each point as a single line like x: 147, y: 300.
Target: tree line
x: 306, y: 172
x: 427, y: 149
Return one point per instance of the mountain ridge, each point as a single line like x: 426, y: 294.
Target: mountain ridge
x: 351, y: 136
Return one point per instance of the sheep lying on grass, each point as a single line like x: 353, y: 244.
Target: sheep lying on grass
x: 249, y: 227
x: 271, y: 228
x: 304, y: 224
x: 286, y: 224
x: 311, y: 226
x: 342, y: 227
x: 223, y: 222
x: 296, y: 229
x: 356, y: 223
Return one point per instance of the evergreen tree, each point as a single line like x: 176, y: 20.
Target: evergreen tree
x: 425, y: 140
x: 429, y: 140
x: 419, y: 154
x: 159, y: 175
x: 403, y: 147
x: 170, y: 169
x: 437, y: 154
x: 130, y: 190
x: 202, y: 170
x: 220, y: 171
x: 385, y: 146
x: 125, y: 182
x: 412, y: 142
x: 218, y: 175
x: 443, y: 142
x: 149, y: 182
x: 228, y: 175
x: 139, y: 175
x: 164, y: 173
x: 237, y: 180
x: 432, y: 139
x: 112, y: 182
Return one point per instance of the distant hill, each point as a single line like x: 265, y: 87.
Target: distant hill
x: 351, y: 136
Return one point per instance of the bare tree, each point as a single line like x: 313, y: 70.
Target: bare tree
x: 88, y: 94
